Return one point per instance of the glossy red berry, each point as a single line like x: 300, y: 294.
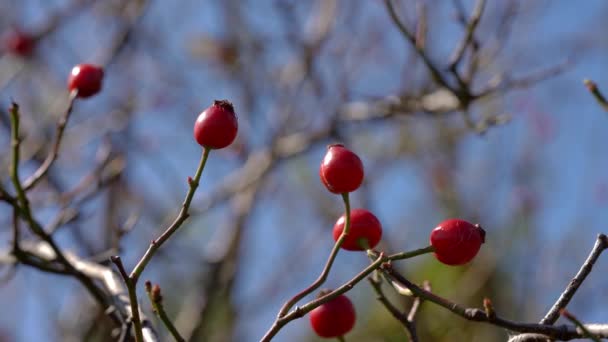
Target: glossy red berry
x: 456, y: 242
x: 216, y: 126
x: 341, y: 170
x: 363, y: 226
x: 19, y: 43
x: 334, y: 318
x: 86, y: 79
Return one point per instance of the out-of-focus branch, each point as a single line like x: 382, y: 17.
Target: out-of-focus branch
x: 411, y: 38
x: 597, y: 94
x: 467, y: 39
x: 31, y: 181
x: 118, y: 301
x: 502, y: 83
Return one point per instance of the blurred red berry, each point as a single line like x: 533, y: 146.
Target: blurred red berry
x: 341, y: 170
x: 456, y: 242
x: 86, y: 79
x: 216, y: 127
x: 19, y: 43
x: 363, y: 226
x: 334, y: 318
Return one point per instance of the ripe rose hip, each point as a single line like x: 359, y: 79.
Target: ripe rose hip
x: 216, y: 126
x: 363, y: 225
x: 334, y: 318
x: 456, y: 242
x: 341, y: 170
x: 19, y: 43
x: 86, y: 79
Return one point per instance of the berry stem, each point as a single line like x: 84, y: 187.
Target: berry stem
x: 181, y: 217
x: 330, y: 260
x: 341, y: 338
x: 131, y: 280
x: 411, y: 254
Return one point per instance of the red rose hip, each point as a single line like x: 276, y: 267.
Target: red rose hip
x: 456, y: 242
x: 19, y: 43
x: 363, y: 226
x: 341, y: 170
x: 86, y: 79
x: 334, y: 318
x: 216, y: 127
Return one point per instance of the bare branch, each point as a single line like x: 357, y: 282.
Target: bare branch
x: 563, y: 332
x: 600, y: 245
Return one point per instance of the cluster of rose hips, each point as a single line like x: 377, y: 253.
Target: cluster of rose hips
x: 454, y: 241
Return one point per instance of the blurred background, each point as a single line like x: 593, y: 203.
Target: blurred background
x: 505, y: 135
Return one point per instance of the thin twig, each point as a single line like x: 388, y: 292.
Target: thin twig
x: 131, y: 288
x: 410, y: 328
x: 330, y: 260
x: 499, y: 82
x: 579, y: 324
x: 563, y: 332
x: 181, y: 217
x: 411, y: 38
x: 131, y: 279
x: 411, y: 316
x: 156, y: 299
x: 31, y: 181
x: 600, y: 245
x: 306, y: 308
x: 467, y: 39
x: 597, y: 94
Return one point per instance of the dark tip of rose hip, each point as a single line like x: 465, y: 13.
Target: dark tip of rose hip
x: 482, y: 232
x: 224, y: 104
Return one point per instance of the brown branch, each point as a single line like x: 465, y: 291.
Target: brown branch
x: 156, y: 299
x: 306, y: 308
x: 563, y: 332
x: 411, y: 38
x: 409, y: 326
x: 600, y: 245
x: 467, y: 39
x: 500, y: 83
x: 31, y: 181
x: 588, y: 334
x: 330, y: 260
